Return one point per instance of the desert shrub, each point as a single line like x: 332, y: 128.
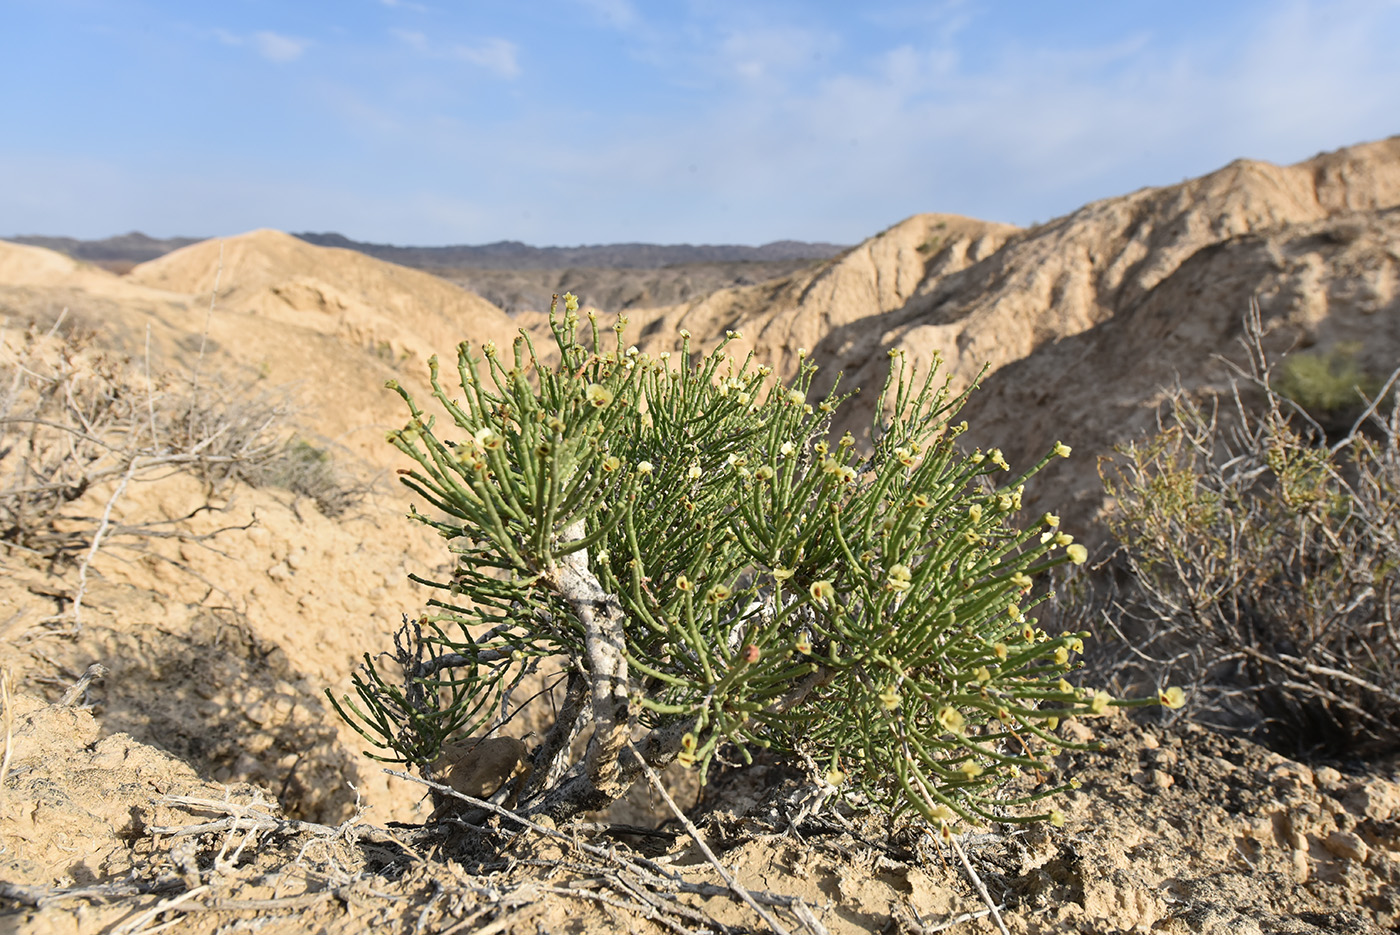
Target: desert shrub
x: 74, y: 417
x: 311, y: 470
x: 716, y: 573
x: 1332, y: 388
x: 1263, y: 563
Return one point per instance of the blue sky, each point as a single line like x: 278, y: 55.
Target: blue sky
x: 596, y: 121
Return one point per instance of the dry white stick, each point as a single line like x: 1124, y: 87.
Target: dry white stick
x: 95, y: 671
x: 694, y: 833
x: 151, y: 394
x: 9, y: 720
x: 96, y: 542
x: 140, y: 921
x: 977, y: 882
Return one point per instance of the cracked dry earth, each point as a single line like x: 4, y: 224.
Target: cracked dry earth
x: 1174, y: 830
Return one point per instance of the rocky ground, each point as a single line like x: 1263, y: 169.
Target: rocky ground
x: 1173, y: 830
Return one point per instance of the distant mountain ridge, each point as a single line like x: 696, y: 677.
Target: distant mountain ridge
x: 512, y: 254
x: 133, y: 248
x: 136, y: 247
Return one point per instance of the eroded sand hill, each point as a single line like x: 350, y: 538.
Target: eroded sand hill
x: 1096, y: 309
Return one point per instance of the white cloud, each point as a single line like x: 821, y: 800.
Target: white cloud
x: 497, y: 56
x: 772, y: 53
x: 415, y: 40
x: 276, y: 47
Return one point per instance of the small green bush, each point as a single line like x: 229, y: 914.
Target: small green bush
x: 1333, y: 388
x: 715, y: 573
x: 1265, y: 562
x: 311, y: 471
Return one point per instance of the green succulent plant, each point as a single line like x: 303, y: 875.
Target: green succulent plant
x: 715, y: 572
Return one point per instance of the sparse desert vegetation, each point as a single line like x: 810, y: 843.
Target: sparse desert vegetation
x: 187, y: 458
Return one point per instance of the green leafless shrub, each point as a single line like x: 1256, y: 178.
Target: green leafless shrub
x: 717, y: 574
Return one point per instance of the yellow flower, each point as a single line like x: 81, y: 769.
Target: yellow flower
x: 835, y: 777
x: 899, y: 579
x: 694, y: 471
x: 1057, y: 818
x: 921, y: 501
x: 974, y: 512
x: 983, y: 674
x: 1021, y: 581
x: 1065, y: 687
x: 598, y: 396
x: 644, y: 467
x: 717, y: 594
x: 787, y: 449
x: 1061, y: 656
x: 1100, y: 703
x: 998, y: 459
x: 822, y: 591
x: 1014, y: 613
x: 890, y: 698
x: 764, y: 473
x: 611, y: 463
x: 782, y: 574
x: 488, y: 439
x: 952, y: 720
x: 1063, y: 539
x: 1000, y: 651
x: 970, y: 769
x: 1172, y: 698
x: 1062, y: 449
x: 1077, y: 554
x: 796, y: 398
x: 1051, y: 520
x: 683, y: 583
